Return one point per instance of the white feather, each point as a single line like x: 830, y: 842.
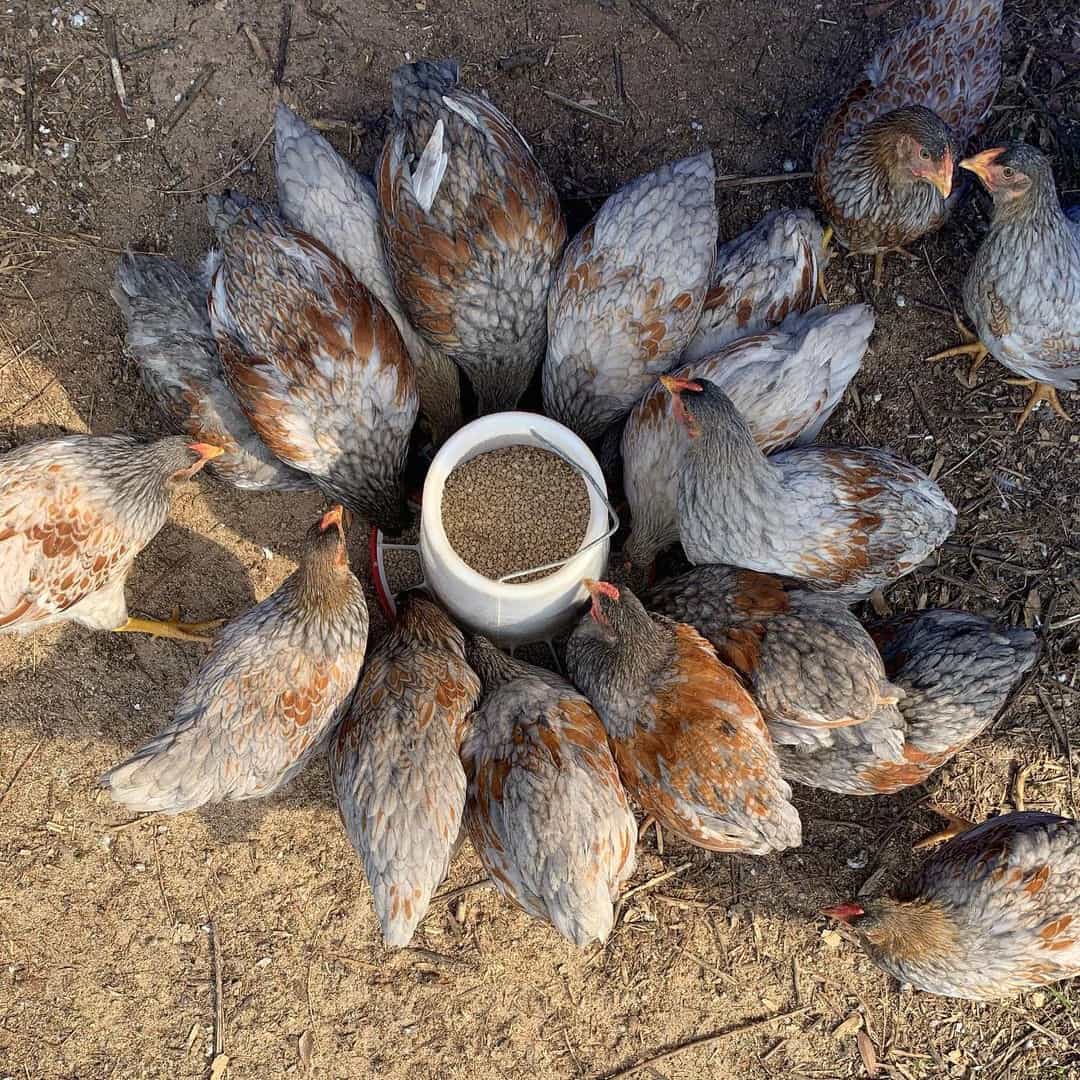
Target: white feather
x: 430, y: 169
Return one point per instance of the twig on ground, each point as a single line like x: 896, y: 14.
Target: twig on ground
x: 660, y: 23
x: 283, y: 41
x: 111, y: 47
x: 729, y: 180
x: 224, y: 176
x: 257, y: 48
x: 461, y: 890
x: 28, y: 107
x: 620, y: 86
x: 19, y: 768
x: 219, y: 999
x: 702, y: 1040
x: 588, y: 110
x: 187, y: 99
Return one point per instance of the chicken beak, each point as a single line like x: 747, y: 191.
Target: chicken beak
x: 942, y: 179
x: 980, y: 164
x: 206, y: 451
x: 676, y: 386
x: 844, y: 912
x: 334, y: 516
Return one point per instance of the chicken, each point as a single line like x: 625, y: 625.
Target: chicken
x: 74, y: 513
x: 847, y: 521
x: 883, y: 164
x: 804, y: 657
x: 1023, y: 289
x: 785, y: 382
x: 954, y: 672
x: 759, y: 278
x: 394, y: 762
x: 628, y: 294
x: 321, y: 194
x: 993, y: 913
x: 546, y: 811
x: 472, y: 229
x: 168, y: 333
x: 690, y: 744
x: 314, y: 359
x: 265, y: 698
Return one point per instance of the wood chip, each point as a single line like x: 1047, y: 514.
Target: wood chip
x: 847, y: 1027
x: 867, y: 1053
x: 307, y: 1041
x: 219, y: 1067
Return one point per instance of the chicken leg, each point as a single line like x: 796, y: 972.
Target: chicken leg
x: 972, y: 347
x: 1039, y: 392
x: 956, y: 825
x: 823, y: 258
x: 170, y: 628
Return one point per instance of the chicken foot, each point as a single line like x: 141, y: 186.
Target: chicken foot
x: 956, y: 825
x: 1039, y: 392
x: 170, y: 628
x: 972, y: 347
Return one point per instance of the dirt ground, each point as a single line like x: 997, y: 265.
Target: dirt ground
x: 120, y: 940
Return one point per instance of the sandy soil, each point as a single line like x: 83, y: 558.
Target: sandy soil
x: 120, y: 939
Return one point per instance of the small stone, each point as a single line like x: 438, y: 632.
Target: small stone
x: 788, y: 165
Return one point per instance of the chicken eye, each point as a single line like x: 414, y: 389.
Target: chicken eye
x: 1008, y: 172
x: 924, y: 154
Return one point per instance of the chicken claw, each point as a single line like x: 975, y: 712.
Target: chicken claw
x: 1039, y: 392
x: 972, y: 347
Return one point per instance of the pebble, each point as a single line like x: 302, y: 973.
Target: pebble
x: 513, y: 509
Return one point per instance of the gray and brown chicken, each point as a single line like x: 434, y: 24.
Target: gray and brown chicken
x: 993, y: 913
x: 786, y: 382
x: 472, y: 227
x: 264, y: 700
x: 74, y: 513
x: 314, y: 360
x: 759, y: 278
x: 847, y: 521
x: 628, y: 294
x: 321, y: 194
x: 953, y: 671
x: 805, y: 658
x: 691, y: 745
x: 1023, y: 290
x: 394, y: 761
x: 168, y: 334
x: 883, y: 164
x: 546, y: 811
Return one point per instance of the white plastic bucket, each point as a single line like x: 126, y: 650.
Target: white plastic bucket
x: 510, y: 613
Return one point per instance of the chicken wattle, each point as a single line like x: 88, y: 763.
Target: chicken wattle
x: 691, y: 745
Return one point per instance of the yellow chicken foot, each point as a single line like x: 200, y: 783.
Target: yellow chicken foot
x: 972, y: 347
x: 170, y: 628
x: 956, y: 826
x: 1039, y: 392
x: 823, y: 258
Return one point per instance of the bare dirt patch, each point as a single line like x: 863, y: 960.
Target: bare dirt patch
x: 108, y: 968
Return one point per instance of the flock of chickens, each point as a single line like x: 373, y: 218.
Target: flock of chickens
x: 301, y: 356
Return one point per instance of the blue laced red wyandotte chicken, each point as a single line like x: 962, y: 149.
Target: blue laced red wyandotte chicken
x: 883, y: 164
x: 993, y: 913
x: 1023, y: 290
